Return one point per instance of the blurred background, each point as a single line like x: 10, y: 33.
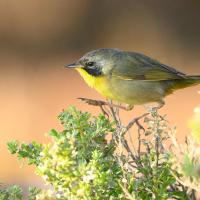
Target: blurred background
x: 37, y: 38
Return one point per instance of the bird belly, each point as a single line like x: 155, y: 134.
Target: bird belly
x: 133, y: 92
x: 136, y: 92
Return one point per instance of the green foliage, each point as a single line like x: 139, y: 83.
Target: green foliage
x: 11, y: 193
x: 155, y: 181
x: 30, y: 151
x: 194, y: 124
x: 33, y: 192
x: 15, y: 193
x: 81, y: 164
x: 186, y: 157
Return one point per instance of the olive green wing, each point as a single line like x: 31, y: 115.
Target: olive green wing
x: 135, y: 66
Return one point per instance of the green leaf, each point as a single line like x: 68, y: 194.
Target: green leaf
x: 13, y: 146
x: 53, y: 133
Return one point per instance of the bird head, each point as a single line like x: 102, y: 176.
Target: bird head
x: 98, y: 62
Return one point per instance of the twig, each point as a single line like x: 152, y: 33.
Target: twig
x: 136, y: 121
x: 128, y: 195
x: 157, y: 150
x: 93, y: 102
x: 139, y: 142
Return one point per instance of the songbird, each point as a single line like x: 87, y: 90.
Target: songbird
x: 130, y: 77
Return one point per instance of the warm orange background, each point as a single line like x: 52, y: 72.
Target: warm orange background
x: 38, y: 37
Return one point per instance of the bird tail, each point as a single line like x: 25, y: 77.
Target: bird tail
x: 185, y: 82
x: 194, y: 80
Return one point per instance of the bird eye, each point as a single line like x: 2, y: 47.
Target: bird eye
x: 90, y: 64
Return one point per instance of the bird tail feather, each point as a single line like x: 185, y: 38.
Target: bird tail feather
x: 194, y: 80
x: 186, y: 82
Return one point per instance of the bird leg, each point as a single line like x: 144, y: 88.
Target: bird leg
x: 161, y: 103
x: 104, y: 103
x: 128, y: 107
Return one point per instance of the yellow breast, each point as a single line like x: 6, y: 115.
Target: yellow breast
x: 100, y: 83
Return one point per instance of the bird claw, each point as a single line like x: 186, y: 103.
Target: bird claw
x: 128, y: 107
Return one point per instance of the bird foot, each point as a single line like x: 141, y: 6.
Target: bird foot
x: 156, y: 108
x: 160, y: 105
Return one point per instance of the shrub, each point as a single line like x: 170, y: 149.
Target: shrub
x: 81, y: 163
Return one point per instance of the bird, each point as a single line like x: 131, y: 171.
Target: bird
x: 130, y: 77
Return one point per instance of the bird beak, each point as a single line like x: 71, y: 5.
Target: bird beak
x: 74, y: 65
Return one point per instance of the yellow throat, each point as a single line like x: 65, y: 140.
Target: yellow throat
x: 98, y: 83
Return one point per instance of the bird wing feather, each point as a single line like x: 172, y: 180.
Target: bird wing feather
x: 136, y: 66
